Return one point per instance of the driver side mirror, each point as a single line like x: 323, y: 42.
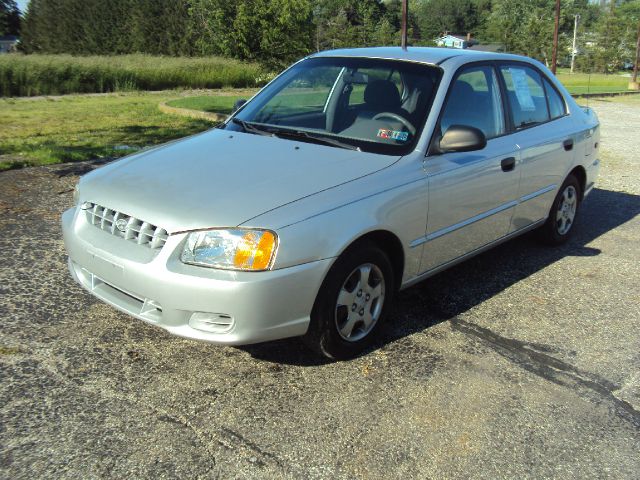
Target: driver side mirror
x: 238, y: 105
x: 461, y: 138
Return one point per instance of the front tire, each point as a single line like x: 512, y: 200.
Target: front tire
x: 352, y: 303
x: 563, y: 214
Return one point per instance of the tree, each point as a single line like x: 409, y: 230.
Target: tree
x: 629, y: 12
x: 343, y: 23
x: 159, y: 27
x: 613, y: 41
x: 9, y: 18
x: 209, y: 26
x: 526, y: 26
x: 439, y: 16
x: 271, y: 32
x: 286, y: 32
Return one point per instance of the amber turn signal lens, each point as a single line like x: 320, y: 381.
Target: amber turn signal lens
x: 255, y: 250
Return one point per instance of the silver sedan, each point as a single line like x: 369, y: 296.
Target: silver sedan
x: 352, y: 175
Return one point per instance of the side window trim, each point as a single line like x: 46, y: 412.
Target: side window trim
x: 546, y: 97
x: 506, y: 106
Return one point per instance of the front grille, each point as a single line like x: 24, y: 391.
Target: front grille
x: 125, y: 226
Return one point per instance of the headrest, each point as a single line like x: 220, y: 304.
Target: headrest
x: 383, y: 95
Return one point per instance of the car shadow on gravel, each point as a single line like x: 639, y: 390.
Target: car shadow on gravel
x: 460, y: 288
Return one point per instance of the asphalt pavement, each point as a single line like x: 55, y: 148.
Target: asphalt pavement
x: 521, y: 363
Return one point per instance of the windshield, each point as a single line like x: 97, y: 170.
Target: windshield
x: 360, y: 103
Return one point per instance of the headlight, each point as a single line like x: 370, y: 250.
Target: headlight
x: 76, y: 195
x: 232, y: 249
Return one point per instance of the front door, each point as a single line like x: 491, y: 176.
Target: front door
x: 472, y: 195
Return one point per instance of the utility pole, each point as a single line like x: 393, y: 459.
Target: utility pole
x: 575, y: 35
x: 634, y: 80
x: 554, y: 57
x: 405, y: 14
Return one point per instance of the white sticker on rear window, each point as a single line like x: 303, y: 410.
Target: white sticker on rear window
x: 523, y: 91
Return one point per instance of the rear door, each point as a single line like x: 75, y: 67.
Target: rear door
x: 472, y: 195
x: 544, y: 133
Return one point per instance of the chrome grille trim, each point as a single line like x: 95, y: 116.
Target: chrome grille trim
x: 135, y: 230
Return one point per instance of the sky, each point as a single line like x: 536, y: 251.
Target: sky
x: 22, y: 4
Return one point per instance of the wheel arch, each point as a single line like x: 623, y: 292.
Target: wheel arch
x: 390, y: 244
x: 581, y: 174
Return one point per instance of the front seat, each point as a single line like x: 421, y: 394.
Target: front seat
x: 382, y: 96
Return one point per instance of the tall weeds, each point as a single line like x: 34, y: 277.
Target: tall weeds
x: 29, y: 75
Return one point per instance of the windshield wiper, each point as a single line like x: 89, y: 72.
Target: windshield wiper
x: 281, y: 132
x: 318, y: 138
x: 251, y: 128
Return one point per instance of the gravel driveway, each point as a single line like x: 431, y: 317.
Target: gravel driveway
x: 521, y: 363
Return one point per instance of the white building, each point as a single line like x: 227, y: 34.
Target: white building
x: 8, y: 43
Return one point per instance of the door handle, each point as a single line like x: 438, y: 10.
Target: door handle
x: 508, y: 164
x: 568, y: 144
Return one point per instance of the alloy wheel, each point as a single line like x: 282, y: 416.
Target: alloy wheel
x: 360, y: 302
x: 567, y: 208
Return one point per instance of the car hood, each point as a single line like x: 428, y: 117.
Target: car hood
x: 222, y: 178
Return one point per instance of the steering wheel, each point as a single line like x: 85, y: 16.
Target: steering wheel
x: 395, y: 116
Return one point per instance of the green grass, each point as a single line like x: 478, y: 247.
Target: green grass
x: 633, y: 100
x: 578, y: 83
x: 76, y: 128
x: 210, y: 103
x: 29, y: 75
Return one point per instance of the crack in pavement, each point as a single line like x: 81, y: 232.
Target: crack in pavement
x: 527, y: 356
x: 254, y: 447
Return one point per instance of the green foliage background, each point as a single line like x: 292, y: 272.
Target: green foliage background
x: 9, y: 18
x: 276, y: 32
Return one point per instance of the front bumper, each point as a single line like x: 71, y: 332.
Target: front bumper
x: 158, y: 288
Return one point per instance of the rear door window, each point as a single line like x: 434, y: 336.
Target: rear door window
x: 526, y: 96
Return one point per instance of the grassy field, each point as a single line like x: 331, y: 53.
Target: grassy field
x: 578, y: 83
x: 74, y: 128
x: 208, y: 103
x: 28, y: 75
x: 626, y: 99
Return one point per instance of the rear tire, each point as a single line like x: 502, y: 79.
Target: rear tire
x: 352, y: 303
x: 564, y: 211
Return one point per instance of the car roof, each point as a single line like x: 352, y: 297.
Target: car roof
x: 429, y: 55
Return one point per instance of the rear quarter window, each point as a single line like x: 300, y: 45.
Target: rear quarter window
x: 557, y: 106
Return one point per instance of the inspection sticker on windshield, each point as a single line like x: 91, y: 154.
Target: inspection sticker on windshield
x: 393, y: 135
